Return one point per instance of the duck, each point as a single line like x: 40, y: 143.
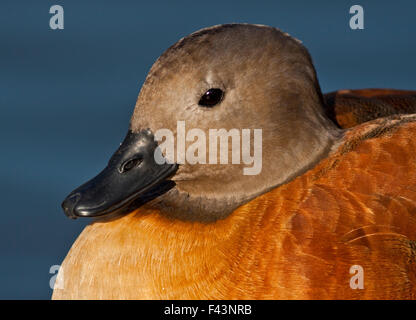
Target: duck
x: 330, y: 215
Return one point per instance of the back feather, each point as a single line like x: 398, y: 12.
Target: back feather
x: 348, y: 108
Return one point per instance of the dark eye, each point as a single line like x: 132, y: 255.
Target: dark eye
x: 130, y: 164
x: 211, y: 97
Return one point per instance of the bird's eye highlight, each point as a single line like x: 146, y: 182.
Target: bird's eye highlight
x: 211, y: 98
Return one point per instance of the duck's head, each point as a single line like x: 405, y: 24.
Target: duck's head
x: 236, y: 77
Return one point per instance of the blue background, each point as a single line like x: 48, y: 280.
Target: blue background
x: 66, y: 96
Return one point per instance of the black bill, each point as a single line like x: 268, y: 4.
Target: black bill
x: 131, y: 178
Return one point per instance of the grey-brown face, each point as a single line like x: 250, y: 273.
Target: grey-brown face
x: 235, y: 77
x: 268, y: 83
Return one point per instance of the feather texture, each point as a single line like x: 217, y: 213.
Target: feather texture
x: 348, y: 108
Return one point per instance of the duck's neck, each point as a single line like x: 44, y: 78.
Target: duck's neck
x: 218, y: 191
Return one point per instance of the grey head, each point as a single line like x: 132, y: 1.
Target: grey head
x: 236, y: 77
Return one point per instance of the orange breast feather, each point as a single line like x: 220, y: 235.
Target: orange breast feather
x: 357, y: 207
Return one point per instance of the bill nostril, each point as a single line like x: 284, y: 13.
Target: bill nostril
x: 130, y: 164
x: 69, y: 204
